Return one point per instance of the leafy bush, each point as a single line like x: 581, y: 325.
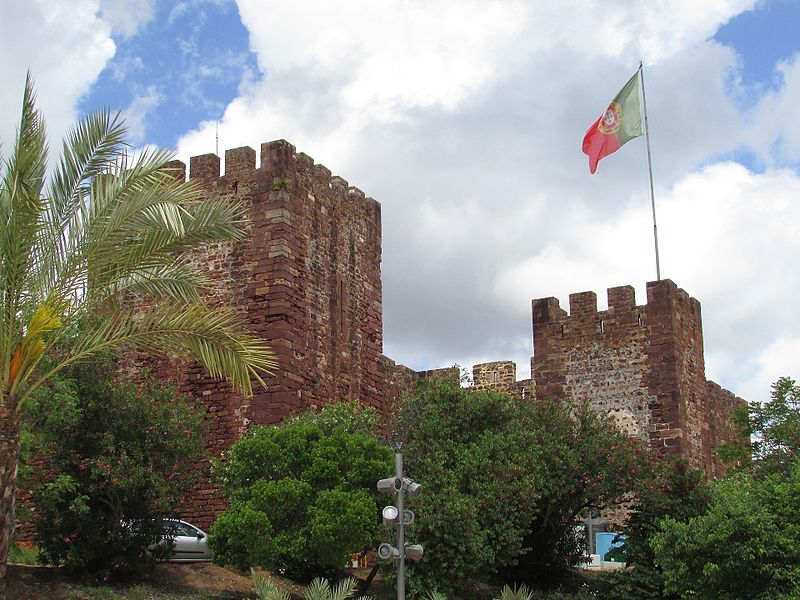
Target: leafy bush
x: 302, y: 496
x: 736, y: 538
x: 504, y: 481
x: 743, y: 546
x: 119, y: 460
x: 677, y: 491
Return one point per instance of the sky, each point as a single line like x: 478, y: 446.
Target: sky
x: 464, y: 119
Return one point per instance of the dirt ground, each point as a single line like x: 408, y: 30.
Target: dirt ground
x: 202, y: 580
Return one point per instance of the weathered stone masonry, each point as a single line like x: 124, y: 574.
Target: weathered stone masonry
x: 643, y: 366
x: 306, y: 278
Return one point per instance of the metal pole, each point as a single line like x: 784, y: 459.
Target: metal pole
x: 650, y: 170
x: 401, y: 533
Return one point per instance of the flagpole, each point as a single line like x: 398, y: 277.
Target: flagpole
x: 650, y: 169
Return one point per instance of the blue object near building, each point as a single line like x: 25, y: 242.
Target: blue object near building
x: 604, y: 541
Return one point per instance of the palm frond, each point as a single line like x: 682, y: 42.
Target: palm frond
x: 265, y: 589
x: 516, y: 593
x: 112, y: 258
x: 212, y: 336
x: 110, y: 227
x: 318, y: 589
x: 179, y: 280
x: 20, y: 208
x: 344, y: 589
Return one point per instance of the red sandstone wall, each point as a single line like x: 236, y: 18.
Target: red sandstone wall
x: 306, y: 278
x: 721, y: 404
x: 641, y: 365
x: 677, y: 374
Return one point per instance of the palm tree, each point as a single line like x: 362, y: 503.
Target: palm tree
x: 103, y: 230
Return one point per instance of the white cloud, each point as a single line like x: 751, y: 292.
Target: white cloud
x: 65, y: 46
x: 127, y: 18
x: 778, y: 359
x: 774, y: 129
x: 464, y: 120
x: 139, y: 110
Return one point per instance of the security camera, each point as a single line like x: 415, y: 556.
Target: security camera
x: 408, y: 517
x: 413, y: 551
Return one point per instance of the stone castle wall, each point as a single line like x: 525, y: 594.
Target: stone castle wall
x: 642, y: 366
x: 306, y: 278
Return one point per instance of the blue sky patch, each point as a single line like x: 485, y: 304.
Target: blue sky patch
x: 763, y: 37
x: 182, y: 68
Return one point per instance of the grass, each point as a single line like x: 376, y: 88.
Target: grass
x: 137, y: 592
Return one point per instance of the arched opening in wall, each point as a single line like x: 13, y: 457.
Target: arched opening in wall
x: 602, y: 326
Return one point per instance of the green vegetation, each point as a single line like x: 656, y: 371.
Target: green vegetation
x: 677, y: 492
x: 302, y: 496
x: 83, y: 240
x: 319, y: 589
x: 119, y: 460
x: 744, y: 544
x: 735, y: 538
x: 24, y: 554
x: 505, y: 481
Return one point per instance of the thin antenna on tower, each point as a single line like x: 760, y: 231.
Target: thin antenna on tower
x: 216, y: 147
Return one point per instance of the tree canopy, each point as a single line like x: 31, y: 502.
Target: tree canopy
x: 302, y: 496
x: 505, y: 481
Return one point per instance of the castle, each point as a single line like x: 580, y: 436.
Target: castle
x: 308, y: 279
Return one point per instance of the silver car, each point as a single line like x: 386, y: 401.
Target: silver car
x: 189, y: 543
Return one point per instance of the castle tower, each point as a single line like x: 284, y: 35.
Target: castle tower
x: 306, y: 278
x: 643, y: 366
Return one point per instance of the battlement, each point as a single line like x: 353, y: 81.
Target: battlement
x: 584, y: 319
x: 280, y: 166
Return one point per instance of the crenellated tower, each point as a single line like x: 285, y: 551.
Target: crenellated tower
x: 306, y: 278
x: 643, y: 366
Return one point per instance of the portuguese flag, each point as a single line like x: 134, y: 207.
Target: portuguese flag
x: 621, y: 121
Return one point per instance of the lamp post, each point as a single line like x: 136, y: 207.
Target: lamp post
x: 398, y: 517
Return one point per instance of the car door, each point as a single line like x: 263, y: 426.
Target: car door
x: 190, y: 543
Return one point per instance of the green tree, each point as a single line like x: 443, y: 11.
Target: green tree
x: 677, y: 491
x: 504, y: 481
x: 772, y: 429
x: 302, y: 496
x: 744, y: 547
x: 100, y: 228
x: 744, y: 544
x: 119, y: 459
